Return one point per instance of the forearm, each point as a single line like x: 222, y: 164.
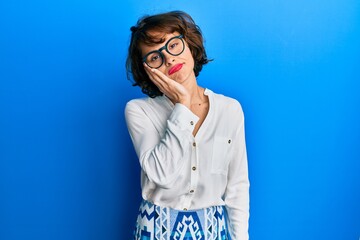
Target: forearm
x: 161, y: 156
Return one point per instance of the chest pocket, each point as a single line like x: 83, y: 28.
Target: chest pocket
x: 221, y: 153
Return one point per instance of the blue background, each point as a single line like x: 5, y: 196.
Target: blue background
x: 67, y: 166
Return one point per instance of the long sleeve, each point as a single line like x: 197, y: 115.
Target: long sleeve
x: 182, y: 171
x: 237, y: 189
x: 161, y: 156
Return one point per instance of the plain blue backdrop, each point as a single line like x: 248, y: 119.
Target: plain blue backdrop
x: 67, y: 166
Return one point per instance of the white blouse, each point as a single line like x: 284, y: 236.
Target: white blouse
x: 185, y: 172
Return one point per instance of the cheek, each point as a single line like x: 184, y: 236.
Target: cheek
x: 188, y: 56
x: 163, y: 69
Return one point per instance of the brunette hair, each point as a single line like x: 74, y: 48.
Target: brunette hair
x: 174, y: 21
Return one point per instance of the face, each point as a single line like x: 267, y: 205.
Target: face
x: 178, y: 63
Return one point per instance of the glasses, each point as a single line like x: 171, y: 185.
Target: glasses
x: 175, y: 46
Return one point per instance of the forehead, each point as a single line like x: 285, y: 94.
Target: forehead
x: 158, y: 39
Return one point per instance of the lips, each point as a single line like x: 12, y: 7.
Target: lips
x: 175, y: 68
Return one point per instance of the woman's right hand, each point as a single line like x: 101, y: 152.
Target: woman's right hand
x: 172, y: 89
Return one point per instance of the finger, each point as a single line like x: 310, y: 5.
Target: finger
x: 156, y: 76
x: 158, y: 81
x: 161, y: 75
x: 149, y: 71
x: 163, y: 82
x: 154, y: 71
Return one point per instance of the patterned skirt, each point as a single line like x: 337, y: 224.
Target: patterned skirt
x: 163, y: 223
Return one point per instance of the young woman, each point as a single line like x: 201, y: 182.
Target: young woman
x: 189, y: 140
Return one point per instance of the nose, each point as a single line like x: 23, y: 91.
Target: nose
x: 168, y: 58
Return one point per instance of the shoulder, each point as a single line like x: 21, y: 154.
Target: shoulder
x: 134, y: 103
x: 226, y: 103
x: 147, y: 105
x: 137, y: 105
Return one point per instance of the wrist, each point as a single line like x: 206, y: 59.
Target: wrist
x: 186, y: 103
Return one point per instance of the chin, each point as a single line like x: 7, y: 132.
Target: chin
x: 180, y: 78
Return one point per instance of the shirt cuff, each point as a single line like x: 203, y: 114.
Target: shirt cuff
x: 183, y: 117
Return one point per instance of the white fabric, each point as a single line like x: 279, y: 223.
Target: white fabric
x: 168, y: 152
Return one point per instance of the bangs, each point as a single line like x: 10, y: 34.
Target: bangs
x: 156, y: 35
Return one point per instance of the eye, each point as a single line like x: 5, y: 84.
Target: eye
x: 173, y: 45
x: 154, y: 58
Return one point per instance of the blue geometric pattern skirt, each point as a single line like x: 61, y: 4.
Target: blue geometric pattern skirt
x: 164, y: 223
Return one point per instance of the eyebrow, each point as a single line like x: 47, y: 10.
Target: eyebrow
x: 156, y: 43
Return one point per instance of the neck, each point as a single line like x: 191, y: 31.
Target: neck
x: 196, y: 92
x: 197, y: 95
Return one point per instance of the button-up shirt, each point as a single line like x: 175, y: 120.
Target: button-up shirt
x: 187, y: 172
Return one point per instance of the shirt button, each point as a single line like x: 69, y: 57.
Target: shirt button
x: 191, y: 191
x: 229, y: 141
x: 185, y: 209
x: 193, y: 168
x: 194, y: 144
x: 191, y: 123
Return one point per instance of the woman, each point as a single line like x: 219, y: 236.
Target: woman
x: 189, y: 140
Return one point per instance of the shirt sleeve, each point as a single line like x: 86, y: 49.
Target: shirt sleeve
x: 161, y: 157
x: 237, y: 190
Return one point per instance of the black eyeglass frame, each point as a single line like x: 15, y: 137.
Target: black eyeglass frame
x: 166, y: 48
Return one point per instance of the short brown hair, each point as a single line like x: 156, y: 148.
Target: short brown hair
x: 174, y: 21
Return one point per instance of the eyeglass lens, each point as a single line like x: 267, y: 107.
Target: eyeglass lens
x: 174, y: 46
